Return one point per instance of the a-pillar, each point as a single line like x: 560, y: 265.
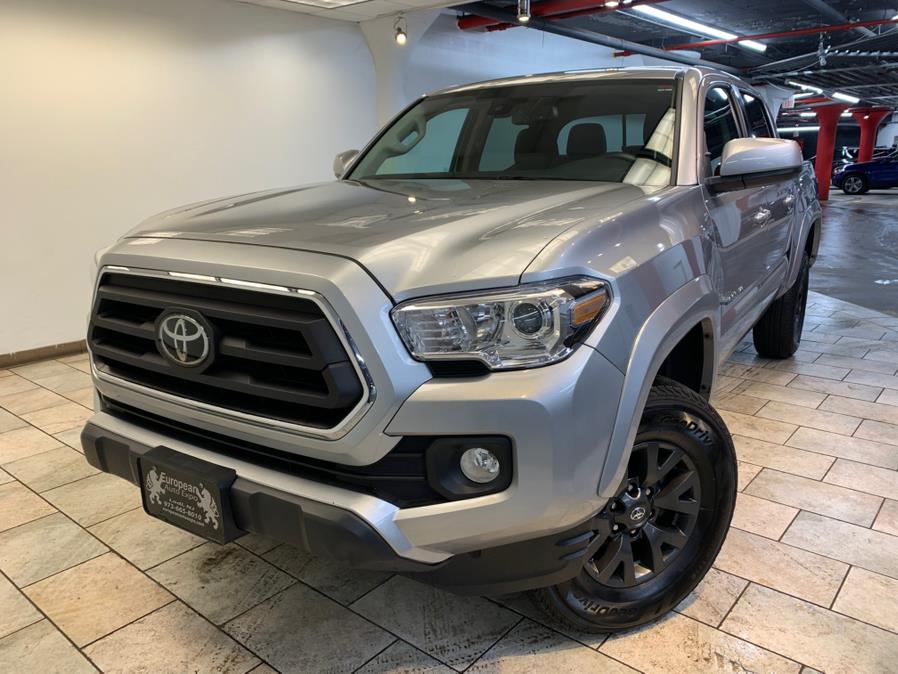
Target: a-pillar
x: 828, y: 118
x: 869, y: 119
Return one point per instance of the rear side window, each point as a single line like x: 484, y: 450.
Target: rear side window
x: 720, y: 124
x: 758, y: 125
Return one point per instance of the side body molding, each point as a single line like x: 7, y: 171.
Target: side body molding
x: 695, y: 302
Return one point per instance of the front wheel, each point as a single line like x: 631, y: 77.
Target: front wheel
x: 656, y: 539
x: 854, y: 183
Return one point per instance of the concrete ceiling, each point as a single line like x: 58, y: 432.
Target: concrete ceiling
x: 350, y: 10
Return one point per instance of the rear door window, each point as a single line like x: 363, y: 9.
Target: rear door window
x: 756, y: 116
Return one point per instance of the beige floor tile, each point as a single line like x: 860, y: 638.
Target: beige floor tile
x: 813, y: 369
x: 829, y: 420
x: 31, y: 401
x: 818, y: 497
x: 713, y: 597
x: 880, y: 380
x: 878, y: 432
x: 59, y: 418
x: 523, y: 604
x: 786, y: 459
x: 39, y: 549
x: 19, y: 505
x: 854, y: 448
x: 338, y: 581
x: 761, y: 516
x: 860, y: 476
x: 749, y: 357
x: 44, y: 368
x: 786, y: 394
x: 82, y: 396
x: 51, y: 468
x: 871, y: 550
x: 72, y: 438
x: 869, y: 597
x: 889, y: 396
x: 757, y: 373
x: 736, y: 402
x: 74, y: 358
x: 887, y: 519
x: 22, y: 442
x: 860, y: 408
x: 685, y: 646
x: 41, y: 648
x: 257, y: 543
x: 453, y: 629
x: 65, y: 382
x: 810, y: 634
x: 95, y: 498
x: 17, y: 612
x: 404, y: 658
x: 833, y: 387
x: 785, y: 568
x: 885, y: 354
x: 172, y: 639
x: 838, y: 349
x: 295, y: 631
x: 9, y: 422
x: 723, y: 384
x: 15, y: 384
x: 5, y: 477
x: 746, y: 472
x: 533, y: 648
x: 97, y: 597
x: 755, y: 427
x: 143, y: 540
x: 856, y: 363
x: 221, y: 581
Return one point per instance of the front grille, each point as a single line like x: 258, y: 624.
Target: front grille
x: 275, y: 356
x: 400, y: 477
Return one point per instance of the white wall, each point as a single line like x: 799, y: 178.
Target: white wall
x: 111, y: 110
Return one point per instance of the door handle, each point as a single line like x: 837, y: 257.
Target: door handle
x: 789, y: 201
x: 761, y: 216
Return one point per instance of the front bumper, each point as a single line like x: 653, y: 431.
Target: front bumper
x: 331, y: 531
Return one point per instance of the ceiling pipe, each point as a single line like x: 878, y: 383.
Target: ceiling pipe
x: 547, y: 26
x: 833, y: 14
x: 772, y: 36
x: 561, y: 9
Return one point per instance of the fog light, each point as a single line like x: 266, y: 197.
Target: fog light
x: 479, y: 465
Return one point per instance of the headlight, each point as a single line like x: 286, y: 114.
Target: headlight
x: 530, y: 325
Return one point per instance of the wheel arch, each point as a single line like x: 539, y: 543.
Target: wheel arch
x: 679, y: 331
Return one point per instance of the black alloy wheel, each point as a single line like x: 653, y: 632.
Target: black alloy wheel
x: 658, y: 536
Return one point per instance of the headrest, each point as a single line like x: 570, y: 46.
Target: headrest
x: 586, y: 140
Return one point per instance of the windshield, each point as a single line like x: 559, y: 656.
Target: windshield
x: 597, y: 130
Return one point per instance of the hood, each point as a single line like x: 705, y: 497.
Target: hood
x: 414, y: 237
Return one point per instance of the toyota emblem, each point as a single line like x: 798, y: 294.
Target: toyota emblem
x: 637, y: 514
x: 183, y: 339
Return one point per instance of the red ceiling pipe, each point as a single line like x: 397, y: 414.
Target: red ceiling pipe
x: 869, y: 119
x: 828, y: 116
x: 772, y: 36
x: 552, y: 8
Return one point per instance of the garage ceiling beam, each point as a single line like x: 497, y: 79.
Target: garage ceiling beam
x: 505, y: 16
x: 834, y: 15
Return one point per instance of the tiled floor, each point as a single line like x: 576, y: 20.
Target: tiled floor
x: 807, y: 579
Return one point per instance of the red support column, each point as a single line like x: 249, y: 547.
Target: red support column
x: 869, y: 119
x: 828, y: 117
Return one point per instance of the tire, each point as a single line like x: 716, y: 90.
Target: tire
x: 855, y: 183
x: 777, y: 333
x: 684, y: 524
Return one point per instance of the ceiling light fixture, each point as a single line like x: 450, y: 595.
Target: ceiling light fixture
x: 803, y: 94
x: 807, y: 87
x: 401, y: 34
x: 695, y: 26
x: 797, y: 129
x: 846, y: 97
x: 523, y: 11
x: 611, y: 4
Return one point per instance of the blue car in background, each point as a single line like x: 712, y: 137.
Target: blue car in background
x: 876, y: 174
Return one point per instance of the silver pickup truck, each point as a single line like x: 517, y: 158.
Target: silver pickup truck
x: 482, y: 356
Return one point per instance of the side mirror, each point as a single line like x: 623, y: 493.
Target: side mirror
x: 342, y: 162
x: 754, y: 162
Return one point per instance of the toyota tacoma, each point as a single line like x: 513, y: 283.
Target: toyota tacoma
x: 483, y: 356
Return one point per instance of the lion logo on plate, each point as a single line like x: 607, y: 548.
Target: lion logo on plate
x: 208, y: 505
x: 155, y: 489
x: 183, y: 339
